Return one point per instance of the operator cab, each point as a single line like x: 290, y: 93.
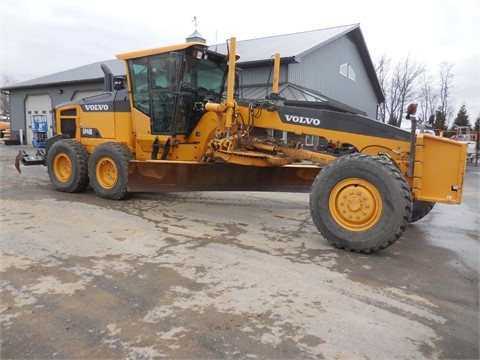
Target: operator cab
x: 171, y: 86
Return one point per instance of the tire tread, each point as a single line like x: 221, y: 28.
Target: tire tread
x: 393, y: 172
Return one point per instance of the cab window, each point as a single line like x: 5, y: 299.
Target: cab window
x: 138, y: 69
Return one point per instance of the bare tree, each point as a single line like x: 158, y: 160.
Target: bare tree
x: 382, y: 68
x: 409, y: 82
x: 4, y: 97
x: 391, y: 103
x: 402, y: 89
x: 429, y: 97
x: 446, y: 77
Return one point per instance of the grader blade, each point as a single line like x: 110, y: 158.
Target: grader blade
x: 152, y: 176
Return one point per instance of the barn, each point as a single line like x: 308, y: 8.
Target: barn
x: 327, y: 68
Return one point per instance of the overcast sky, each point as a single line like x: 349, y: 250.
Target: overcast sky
x: 41, y: 37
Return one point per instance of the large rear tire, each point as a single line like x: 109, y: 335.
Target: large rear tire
x: 360, y: 203
x: 420, y: 210
x: 67, y: 161
x: 108, y: 170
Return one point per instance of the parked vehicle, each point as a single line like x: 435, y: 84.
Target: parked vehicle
x: 464, y: 135
x: 168, y: 126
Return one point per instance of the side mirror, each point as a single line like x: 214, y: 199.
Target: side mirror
x: 119, y: 83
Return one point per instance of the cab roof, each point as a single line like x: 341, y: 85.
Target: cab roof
x: 160, y: 50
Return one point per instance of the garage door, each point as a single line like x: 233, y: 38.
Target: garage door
x: 38, y: 109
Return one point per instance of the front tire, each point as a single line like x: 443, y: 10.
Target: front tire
x: 360, y: 203
x: 67, y: 161
x: 108, y: 170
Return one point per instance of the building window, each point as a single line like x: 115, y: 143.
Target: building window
x: 309, y: 140
x: 347, y: 71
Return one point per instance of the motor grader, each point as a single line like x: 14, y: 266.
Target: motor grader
x: 174, y: 124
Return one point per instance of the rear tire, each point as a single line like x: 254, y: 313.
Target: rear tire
x: 108, y: 170
x: 360, y: 203
x: 420, y: 210
x: 67, y: 161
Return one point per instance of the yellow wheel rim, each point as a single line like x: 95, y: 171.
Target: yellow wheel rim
x: 106, y: 172
x: 62, y: 166
x: 355, y: 204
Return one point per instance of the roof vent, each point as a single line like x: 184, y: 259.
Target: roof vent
x: 196, y: 37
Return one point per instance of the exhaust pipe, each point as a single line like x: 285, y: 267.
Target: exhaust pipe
x: 108, y: 79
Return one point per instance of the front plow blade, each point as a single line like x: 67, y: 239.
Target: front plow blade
x: 152, y: 176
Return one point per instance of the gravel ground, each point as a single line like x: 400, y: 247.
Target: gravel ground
x: 214, y: 275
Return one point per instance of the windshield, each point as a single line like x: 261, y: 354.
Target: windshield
x: 205, y: 71
x: 171, y: 88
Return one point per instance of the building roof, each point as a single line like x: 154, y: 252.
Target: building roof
x: 83, y: 73
x: 297, y: 95
x: 291, y: 48
x: 286, y: 90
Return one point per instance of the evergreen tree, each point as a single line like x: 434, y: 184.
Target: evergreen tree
x: 477, y: 131
x: 440, y: 120
x: 392, y: 120
x: 462, y: 118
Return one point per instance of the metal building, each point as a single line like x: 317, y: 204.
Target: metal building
x: 34, y: 99
x: 328, y: 68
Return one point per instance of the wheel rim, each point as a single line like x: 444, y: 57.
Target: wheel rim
x: 62, y: 166
x: 106, y: 172
x: 355, y: 204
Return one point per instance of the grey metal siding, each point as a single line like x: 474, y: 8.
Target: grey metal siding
x: 320, y: 71
x: 17, y: 110
x: 262, y: 75
x: 58, y: 93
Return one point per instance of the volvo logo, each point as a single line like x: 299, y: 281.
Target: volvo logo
x: 96, y: 107
x: 302, y: 120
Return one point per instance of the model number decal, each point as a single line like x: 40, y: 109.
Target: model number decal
x: 302, y: 120
x: 90, y: 132
x: 96, y: 107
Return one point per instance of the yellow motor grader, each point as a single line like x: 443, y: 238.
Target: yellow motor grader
x: 168, y: 126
